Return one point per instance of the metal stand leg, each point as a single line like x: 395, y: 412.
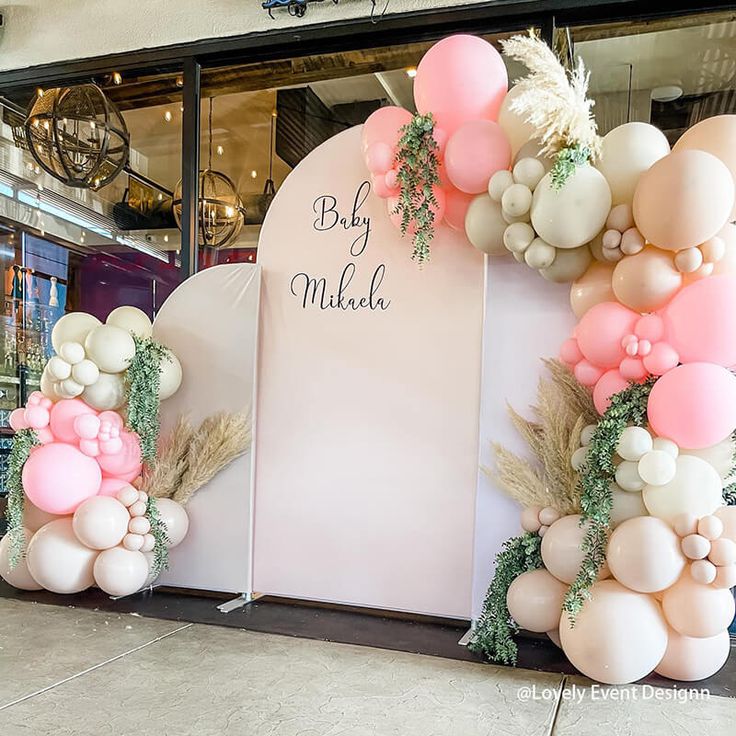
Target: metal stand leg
x: 142, y: 590
x: 466, y: 637
x: 242, y: 600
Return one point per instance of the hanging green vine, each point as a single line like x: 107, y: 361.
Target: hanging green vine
x: 493, y: 635
x: 566, y: 161
x: 418, y: 174
x: 23, y: 442
x: 729, y: 491
x: 596, y: 476
x: 160, y: 534
x: 143, y: 382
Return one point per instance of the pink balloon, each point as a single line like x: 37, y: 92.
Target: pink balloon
x: 600, y: 331
x: 609, y: 384
x: 456, y: 207
x: 384, y: 126
x: 379, y: 158
x: 379, y: 186
x: 474, y: 153
x: 441, y: 137
x: 460, y: 78
x: 701, y: 321
x: 57, y: 477
x: 694, y: 405
x: 391, y: 180
x: 438, y: 209
x: 125, y: 464
x: 63, y: 415
x: 111, y: 486
x: 17, y: 419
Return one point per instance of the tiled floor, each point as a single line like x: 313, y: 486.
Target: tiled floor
x: 73, y: 672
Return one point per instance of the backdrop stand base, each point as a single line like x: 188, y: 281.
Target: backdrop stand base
x: 242, y: 600
x: 147, y: 589
x: 466, y: 637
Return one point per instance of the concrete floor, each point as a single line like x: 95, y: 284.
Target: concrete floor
x: 73, y: 672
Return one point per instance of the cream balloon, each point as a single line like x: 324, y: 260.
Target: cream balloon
x: 18, y: 575
x: 174, y: 518
x: 720, y: 456
x: 619, y: 636
x: 696, y: 489
x: 644, y: 555
x: 47, y: 386
x: 626, y: 153
x: 131, y: 319
x: 101, y: 522
x: 574, y: 214
x: 593, y: 287
x: 562, y: 549
x: 727, y: 264
x: 34, y: 518
x: 485, y: 226
x: 85, y: 373
x: 171, y: 375
x: 727, y: 514
x: 533, y: 149
x: 569, y: 264
x: 626, y: 505
x: 646, y: 281
x: 535, y: 599
x: 120, y: 571
x: 73, y: 327
x: 689, y: 658
x: 633, y: 443
x: 110, y: 347
x: 58, y: 561
x: 106, y: 393
x: 697, y: 610
x: 517, y: 129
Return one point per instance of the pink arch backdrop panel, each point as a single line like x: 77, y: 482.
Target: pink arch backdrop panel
x: 211, y: 322
x: 367, y: 456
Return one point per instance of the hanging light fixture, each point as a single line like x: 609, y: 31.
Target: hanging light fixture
x: 77, y: 135
x: 221, y: 211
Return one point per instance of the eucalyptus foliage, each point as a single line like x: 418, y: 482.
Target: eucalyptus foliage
x: 23, y: 442
x: 493, y: 635
x: 566, y: 161
x: 418, y: 173
x: 160, y: 534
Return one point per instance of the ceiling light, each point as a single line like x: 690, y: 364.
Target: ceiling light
x: 666, y: 93
x: 220, y: 150
x: 117, y: 78
x: 167, y: 116
x: 411, y: 72
x: 254, y: 174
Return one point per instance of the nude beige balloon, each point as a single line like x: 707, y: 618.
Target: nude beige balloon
x: 697, y: 610
x: 683, y: 200
x: 592, y: 288
x: 688, y: 658
x: 18, y: 575
x: 644, y: 554
x: 727, y: 264
x: 517, y: 129
x: 534, y: 601
x: 619, y: 636
x: 647, y: 280
x: 727, y: 514
x: 561, y: 549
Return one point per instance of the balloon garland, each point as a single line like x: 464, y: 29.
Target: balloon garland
x: 24, y: 441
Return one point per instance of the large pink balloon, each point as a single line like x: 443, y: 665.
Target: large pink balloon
x: 690, y: 658
x: 701, y: 321
x: 609, y: 384
x: 456, y: 207
x: 125, y: 464
x: 384, y: 126
x: 58, y: 477
x: 716, y: 135
x: 460, y: 78
x: 474, y: 153
x: 683, y: 200
x: 600, y: 331
x: 63, y: 415
x: 694, y: 405
x: 693, y: 609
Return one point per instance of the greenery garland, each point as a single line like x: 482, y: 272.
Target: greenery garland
x: 566, y: 161
x: 160, y: 534
x: 143, y: 382
x: 23, y: 442
x: 418, y: 173
x: 494, y: 632
x: 597, y: 474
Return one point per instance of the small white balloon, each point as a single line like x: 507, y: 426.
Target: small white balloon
x: 578, y: 457
x: 170, y: 376
x: 657, y: 468
x: 139, y: 525
x: 633, y: 443
x: 71, y: 388
x: 499, y: 183
x: 529, y: 172
x: 688, y: 260
x: 59, y: 368
x: 120, y: 571
x: 131, y: 319
x: 73, y: 327
x: 539, y: 254
x: 106, y: 393
x: 47, y: 385
x: 72, y: 352
x: 516, y: 200
x: 586, y: 435
x: 628, y: 478
x: 85, y: 372
x: 110, y: 347
x: 133, y: 542
x: 127, y: 495
x: 665, y: 445
x: 137, y: 509
x: 510, y: 219
x: 518, y: 237
x: 149, y: 542
x: 19, y: 576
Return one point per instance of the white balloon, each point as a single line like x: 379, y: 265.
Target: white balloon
x: 499, y: 183
x: 695, y: 490
x: 661, y: 443
x: 518, y: 237
x: 70, y: 388
x: 529, y: 171
x: 73, y: 327
x: 110, y: 347
x: 485, y: 226
x: 517, y: 129
x: 578, y: 457
x: 657, y: 468
x: 574, y: 214
x: 58, y: 561
x: 569, y: 264
x: 72, y: 352
x: 586, y: 436
x: 720, y: 456
x: 533, y: 149
x: 47, y: 385
x: 626, y: 153
x: 628, y: 478
x: 85, y: 372
x: 148, y: 554
x: 101, y: 522
x: 120, y: 571
x: 107, y: 392
x: 174, y: 518
x: 170, y: 377
x: 626, y: 505
x: 633, y: 443
x: 59, y: 368
x: 539, y: 254
x: 516, y: 200
x: 131, y: 319
x: 18, y: 576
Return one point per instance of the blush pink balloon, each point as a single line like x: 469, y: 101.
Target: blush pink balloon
x: 384, y: 126
x: 474, y: 153
x: 694, y: 405
x: 600, y: 331
x: 57, y: 477
x: 460, y: 78
x: 456, y: 207
x: 63, y: 415
x: 692, y: 658
x: 701, y: 321
x: 380, y: 188
x: 609, y: 384
x: 125, y: 464
x: 111, y: 486
x: 17, y: 419
x: 379, y: 158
